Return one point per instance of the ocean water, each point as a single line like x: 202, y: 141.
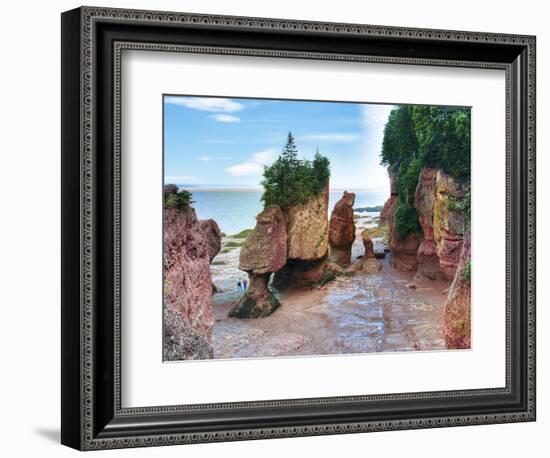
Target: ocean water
x: 235, y: 209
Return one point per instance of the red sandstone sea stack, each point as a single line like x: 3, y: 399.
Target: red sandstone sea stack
x: 342, y: 230
x: 264, y: 252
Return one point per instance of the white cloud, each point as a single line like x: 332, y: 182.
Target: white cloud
x: 329, y: 137
x: 245, y: 169
x: 182, y: 179
x: 205, y: 158
x: 254, y: 166
x: 225, y: 118
x: 205, y: 103
x: 264, y: 157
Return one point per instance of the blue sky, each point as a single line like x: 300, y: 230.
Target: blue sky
x: 211, y: 141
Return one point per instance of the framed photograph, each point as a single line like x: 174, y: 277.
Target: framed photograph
x: 276, y: 228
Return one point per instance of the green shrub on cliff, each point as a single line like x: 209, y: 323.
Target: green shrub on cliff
x: 406, y: 220
x: 182, y: 199
x: 290, y: 181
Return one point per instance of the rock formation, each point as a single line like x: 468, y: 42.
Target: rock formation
x: 342, y: 230
x: 388, y: 209
x: 187, y: 280
x: 448, y: 222
x: 428, y: 260
x: 434, y: 252
x: 307, y: 244
x: 213, y: 236
x: 264, y: 252
x: 368, y: 263
x: 307, y: 228
x: 367, y: 243
x: 457, y: 312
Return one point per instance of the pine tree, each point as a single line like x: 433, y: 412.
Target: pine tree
x: 290, y: 180
x: 290, y: 152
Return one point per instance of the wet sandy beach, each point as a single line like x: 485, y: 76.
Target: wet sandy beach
x: 361, y: 314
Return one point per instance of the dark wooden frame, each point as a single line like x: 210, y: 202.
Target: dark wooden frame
x: 92, y: 42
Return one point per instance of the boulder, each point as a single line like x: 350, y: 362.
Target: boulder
x: 187, y: 278
x: 263, y: 252
x: 368, y: 245
x: 448, y: 222
x: 371, y: 266
x: 364, y: 265
x: 342, y: 230
x: 457, y: 311
x: 307, y: 228
x: 213, y: 236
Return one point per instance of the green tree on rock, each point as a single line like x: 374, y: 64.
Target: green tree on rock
x: 290, y: 180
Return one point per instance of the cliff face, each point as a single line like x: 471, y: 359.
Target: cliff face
x: 342, y: 230
x: 187, y: 285
x: 264, y: 252
x: 457, y: 312
x: 427, y: 257
x: 448, y: 222
x: 307, y: 228
x: 434, y: 253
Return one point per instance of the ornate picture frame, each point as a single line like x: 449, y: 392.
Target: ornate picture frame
x: 93, y: 416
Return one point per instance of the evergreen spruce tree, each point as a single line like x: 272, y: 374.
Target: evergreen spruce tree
x: 290, y: 180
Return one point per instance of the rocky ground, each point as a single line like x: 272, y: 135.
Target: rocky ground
x: 359, y: 314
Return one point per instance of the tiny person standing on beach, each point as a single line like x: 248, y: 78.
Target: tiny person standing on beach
x: 245, y: 283
x: 239, y: 287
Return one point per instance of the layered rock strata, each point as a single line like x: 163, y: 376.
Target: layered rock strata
x: 448, y: 222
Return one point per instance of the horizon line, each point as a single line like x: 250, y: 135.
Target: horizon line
x: 258, y: 188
